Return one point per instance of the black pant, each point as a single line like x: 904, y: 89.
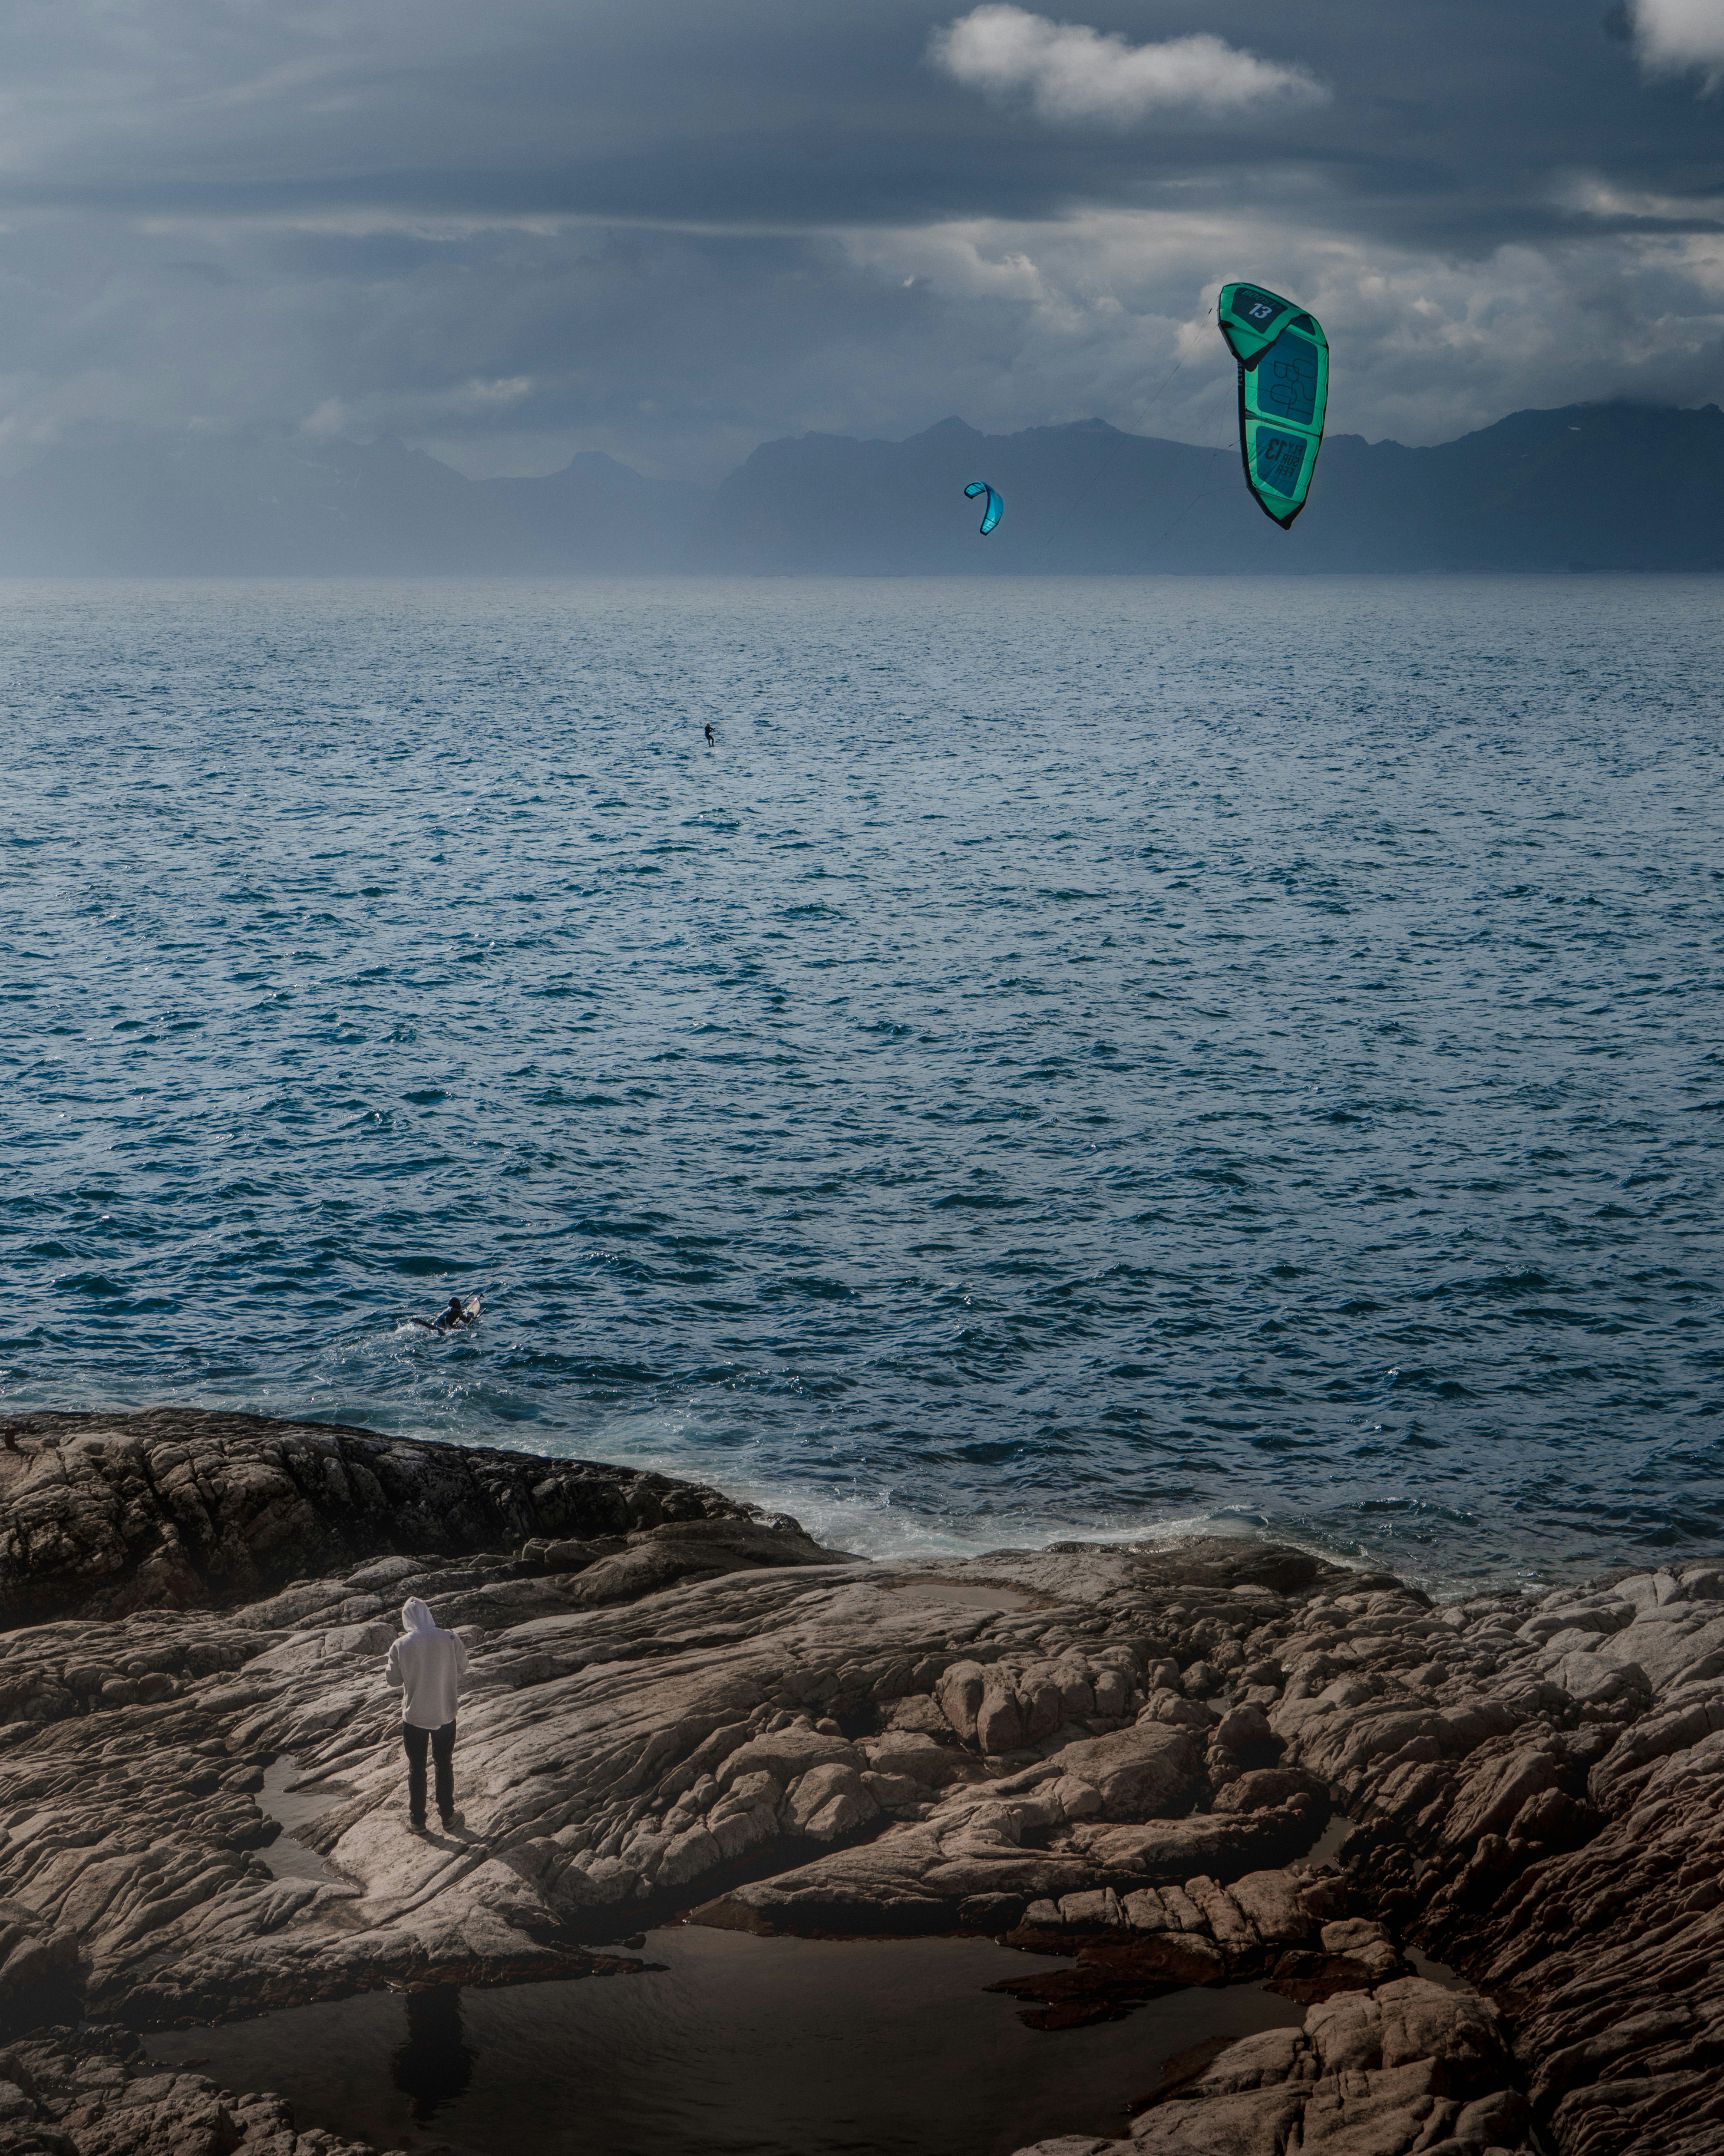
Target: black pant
x: 442, y: 1746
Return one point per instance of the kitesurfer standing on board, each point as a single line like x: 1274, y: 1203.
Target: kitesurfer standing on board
x: 712, y: 738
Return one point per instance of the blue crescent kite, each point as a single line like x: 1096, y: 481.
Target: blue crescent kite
x: 995, y: 505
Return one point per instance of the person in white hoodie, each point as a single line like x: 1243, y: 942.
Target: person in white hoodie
x: 426, y: 1666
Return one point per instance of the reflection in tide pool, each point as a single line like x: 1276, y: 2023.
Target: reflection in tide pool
x: 730, y: 2046
x: 433, y: 2067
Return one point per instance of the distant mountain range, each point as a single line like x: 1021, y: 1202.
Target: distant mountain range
x: 272, y: 503
x: 1591, y: 487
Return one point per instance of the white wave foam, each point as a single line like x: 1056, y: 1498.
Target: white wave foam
x: 881, y: 1525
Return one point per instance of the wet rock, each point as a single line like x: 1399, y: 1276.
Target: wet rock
x: 173, y: 1505
x: 689, y: 1549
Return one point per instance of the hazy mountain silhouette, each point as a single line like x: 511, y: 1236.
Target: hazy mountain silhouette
x: 1603, y: 486
x: 1593, y: 486
x: 596, y: 515
x: 266, y: 502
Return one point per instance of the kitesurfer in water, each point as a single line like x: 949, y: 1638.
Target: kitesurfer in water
x: 712, y: 738
x: 446, y: 1320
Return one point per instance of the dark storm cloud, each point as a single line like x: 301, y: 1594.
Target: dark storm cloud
x: 1445, y: 114
x: 671, y: 229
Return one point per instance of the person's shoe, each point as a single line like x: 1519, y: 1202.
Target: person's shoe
x: 417, y: 1826
x: 451, y: 1820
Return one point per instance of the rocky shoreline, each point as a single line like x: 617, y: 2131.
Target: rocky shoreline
x: 683, y: 1709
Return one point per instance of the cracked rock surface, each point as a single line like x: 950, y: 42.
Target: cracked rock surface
x: 677, y: 1708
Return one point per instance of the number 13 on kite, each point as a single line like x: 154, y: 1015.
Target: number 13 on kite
x: 1283, y: 393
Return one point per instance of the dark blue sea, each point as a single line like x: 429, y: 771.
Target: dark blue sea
x: 1076, y: 1058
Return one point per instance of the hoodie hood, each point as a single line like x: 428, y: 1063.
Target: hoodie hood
x: 416, y: 1615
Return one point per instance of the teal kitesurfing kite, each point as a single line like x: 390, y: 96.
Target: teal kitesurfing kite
x: 995, y: 505
x: 1284, y: 392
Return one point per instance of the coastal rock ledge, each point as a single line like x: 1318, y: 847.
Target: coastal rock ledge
x: 1482, y: 1844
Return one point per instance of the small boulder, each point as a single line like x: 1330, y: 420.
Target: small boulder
x: 890, y: 1791
x: 914, y: 1756
x: 1270, y: 1899
x: 992, y: 1912
x: 785, y: 1754
x: 1113, y: 1692
x: 1177, y: 1712
x: 1245, y: 1732
x: 1254, y: 2122
x: 828, y: 1801
x: 960, y: 1695
x: 1146, y: 1772
x: 1076, y: 1798
x: 1262, y: 1788
x: 1357, y: 1939
x: 1263, y: 2060
x: 999, y: 1727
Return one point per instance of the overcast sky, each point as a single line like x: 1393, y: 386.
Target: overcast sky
x: 509, y: 229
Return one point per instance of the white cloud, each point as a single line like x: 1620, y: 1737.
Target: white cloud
x: 1069, y: 72
x: 504, y: 392
x: 1107, y: 312
x: 1677, y: 34
x: 331, y: 420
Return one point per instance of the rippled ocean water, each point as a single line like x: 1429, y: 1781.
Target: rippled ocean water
x: 1076, y: 1057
